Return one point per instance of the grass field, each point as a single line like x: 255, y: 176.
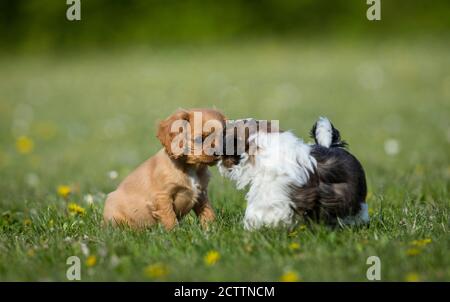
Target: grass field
x: 85, y: 121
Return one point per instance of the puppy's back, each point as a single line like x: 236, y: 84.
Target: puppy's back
x: 128, y: 204
x: 335, y: 189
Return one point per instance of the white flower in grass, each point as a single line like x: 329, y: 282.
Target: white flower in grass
x: 102, y: 251
x: 113, y: 174
x: 84, y: 249
x: 89, y: 199
x: 114, y: 261
x: 392, y: 147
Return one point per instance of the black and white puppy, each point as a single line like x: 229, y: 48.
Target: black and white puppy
x: 289, y: 180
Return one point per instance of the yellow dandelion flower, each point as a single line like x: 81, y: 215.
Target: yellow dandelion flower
x: 24, y: 145
x: 294, y: 246
x: 421, y: 243
x: 412, y: 277
x: 91, y: 261
x: 156, y: 271
x: 293, y: 234
x: 27, y: 222
x: 413, y: 252
x: 248, y: 248
x: 75, y: 209
x: 211, y: 258
x: 64, y: 190
x: 30, y: 253
x: 371, y: 211
x: 290, y: 276
x: 426, y: 241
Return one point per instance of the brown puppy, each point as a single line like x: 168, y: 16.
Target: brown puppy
x: 169, y: 184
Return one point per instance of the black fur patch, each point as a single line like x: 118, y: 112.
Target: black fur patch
x: 335, y: 189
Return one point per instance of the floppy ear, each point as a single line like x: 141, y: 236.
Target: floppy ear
x: 164, y: 135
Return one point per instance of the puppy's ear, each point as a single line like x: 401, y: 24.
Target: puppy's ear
x: 164, y: 134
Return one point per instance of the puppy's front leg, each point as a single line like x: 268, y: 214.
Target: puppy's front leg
x: 204, y: 211
x: 163, y: 211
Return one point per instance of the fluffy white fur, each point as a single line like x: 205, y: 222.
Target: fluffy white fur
x: 280, y: 159
x: 324, y: 132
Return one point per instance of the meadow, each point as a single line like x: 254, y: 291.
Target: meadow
x: 72, y: 126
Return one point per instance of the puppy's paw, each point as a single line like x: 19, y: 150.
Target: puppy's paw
x: 206, y: 218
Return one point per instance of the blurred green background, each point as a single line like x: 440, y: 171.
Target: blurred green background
x: 41, y: 25
x: 80, y: 101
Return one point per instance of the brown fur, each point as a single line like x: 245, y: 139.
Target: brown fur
x: 161, y: 189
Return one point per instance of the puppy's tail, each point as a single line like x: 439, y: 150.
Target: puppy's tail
x: 324, y: 134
